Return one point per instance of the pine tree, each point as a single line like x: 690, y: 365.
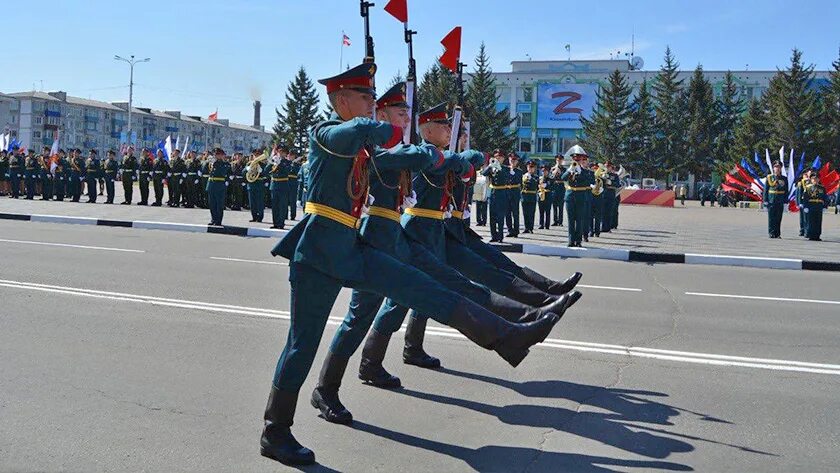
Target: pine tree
x: 829, y: 136
x: 398, y: 77
x: 606, y: 132
x: 669, y: 104
x: 489, y: 128
x: 438, y: 85
x: 730, y: 108
x: 702, y: 117
x: 751, y: 133
x: 299, y: 114
x: 793, y: 106
x: 641, y: 130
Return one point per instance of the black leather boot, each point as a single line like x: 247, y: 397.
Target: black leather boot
x: 550, y: 286
x: 511, y: 341
x: 413, y: 353
x: 277, y: 441
x: 517, y: 312
x: 325, y: 396
x: 526, y: 293
x: 371, y: 370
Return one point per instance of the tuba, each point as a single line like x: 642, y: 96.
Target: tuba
x: 255, y: 168
x: 600, y: 174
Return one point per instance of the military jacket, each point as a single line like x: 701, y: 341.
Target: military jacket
x: 337, y: 160
x: 110, y: 168
x: 530, y: 187
x: 93, y: 168
x: 280, y: 174
x: 128, y: 167
x: 776, y: 190
x: 516, y: 181
x: 578, y: 183
x: 77, y: 167
x: 218, y: 173
x: 456, y: 224
x: 145, y: 168
x: 178, y: 170
x: 160, y: 169
x: 814, y: 196
x: 294, y: 171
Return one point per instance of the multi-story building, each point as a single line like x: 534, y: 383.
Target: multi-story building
x: 547, y: 98
x: 36, y: 117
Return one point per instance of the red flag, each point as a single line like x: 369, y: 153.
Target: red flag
x: 213, y: 116
x: 398, y: 9
x: 452, y: 49
x: 345, y: 40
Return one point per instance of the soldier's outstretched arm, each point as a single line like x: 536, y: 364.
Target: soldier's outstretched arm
x: 348, y: 137
x: 474, y: 157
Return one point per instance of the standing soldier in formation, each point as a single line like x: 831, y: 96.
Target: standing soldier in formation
x: 110, y: 174
x: 499, y: 178
x: 204, y: 175
x: 191, y: 182
x: 801, y: 200
x: 775, y: 198
x: 480, y: 199
x: 599, y: 173
x: 545, y: 197
x: 294, y: 172
x: 60, y: 176
x: 530, y: 189
x: 177, y: 176
x: 160, y: 171
x: 30, y: 175
x: 217, y: 182
x: 558, y: 190
x: 128, y: 173
x: 92, y: 174
x: 236, y: 182
x: 15, y: 172
x: 4, y: 172
x: 256, y: 185
x: 77, y: 173
x: 610, y: 188
x: 146, y: 168
x: 514, y: 194
x: 615, y: 185
x: 46, y: 175
x: 279, y: 187
x: 815, y: 200
x: 577, y: 181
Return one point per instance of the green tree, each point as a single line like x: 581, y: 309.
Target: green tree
x: 829, y: 136
x: 730, y: 108
x: 606, y: 132
x: 793, y: 106
x: 489, y: 127
x: 299, y: 113
x: 438, y: 85
x: 641, y: 134
x: 670, y: 105
x: 752, y: 131
x: 702, y: 117
x: 398, y: 77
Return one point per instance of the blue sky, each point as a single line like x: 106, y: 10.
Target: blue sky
x: 211, y: 53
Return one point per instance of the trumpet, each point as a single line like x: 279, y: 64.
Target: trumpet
x: 574, y: 168
x: 255, y: 168
x: 495, y: 165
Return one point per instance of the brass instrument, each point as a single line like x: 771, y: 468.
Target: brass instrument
x: 75, y: 165
x: 543, y: 189
x: 255, y: 168
x: 600, y: 174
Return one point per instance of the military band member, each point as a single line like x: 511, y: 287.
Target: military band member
x: 480, y: 192
x: 93, y: 170
x: 514, y: 195
x: 815, y: 201
x: 279, y: 187
x: 16, y: 164
x: 611, y: 188
x: 145, y: 170
x: 128, y: 174
x: 160, y: 170
x: 256, y: 188
x: 294, y: 178
x: 545, y: 197
x: 775, y: 199
x: 597, y: 200
x: 234, y: 191
x: 337, y: 194
x: 577, y: 181
x: 304, y: 171
x: 530, y: 189
x: 499, y: 179
x: 110, y: 169
x: 558, y: 189
x: 218, y: 179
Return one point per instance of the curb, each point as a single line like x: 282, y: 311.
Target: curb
x: 523, y: 248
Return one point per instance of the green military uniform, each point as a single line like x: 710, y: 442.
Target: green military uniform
x: 558, y: 192
x: 93, y: 172
x: 110, y: 169
x: 611, y: 187
x: 237, y: 185
x: 60, y: 177
x: 514, y: 195
x: 498, y: 184
x: 30, y: 176
x: 218, y: 179
x: 16, y: 165
x: 815, y: 200
x: 545, y: 197
x: 578, y: 193
x: 801, y: 202
x: 145, y: 170
x: 596, y: 220
x: 76, y: 175
x: 46, y: 176
x: 775, y: 198
x: 160, y: 171
x: 128, y: 174
x: 294, y: 184
x: 530, y: 189
x: 204, y: 175
x: 191, y: 188
x: 279, y: 189
x: 256, y: 194
x: 175, y: 181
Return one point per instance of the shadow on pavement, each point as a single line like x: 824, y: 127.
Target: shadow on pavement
x: 496, y: 458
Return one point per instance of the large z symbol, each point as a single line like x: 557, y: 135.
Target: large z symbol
x: 571, y: 97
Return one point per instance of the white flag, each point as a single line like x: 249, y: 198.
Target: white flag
x: 186, y: 144
x: 178, y: 142
x: 167, y: 147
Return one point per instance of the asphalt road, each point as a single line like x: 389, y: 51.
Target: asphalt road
x: 127, y: 350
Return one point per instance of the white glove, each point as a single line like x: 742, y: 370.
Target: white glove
x: 195, y: 182
x: 467, y: 213
x: 226, y: 183
x: 366, y: 207
x: 805, y: 210
x: 169, y: 174
x: 409, y: 201
x: 512, y: 173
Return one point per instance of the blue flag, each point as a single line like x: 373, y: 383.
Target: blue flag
x: 817, y: 163
x: 761, y: 165
x: 801, y: 165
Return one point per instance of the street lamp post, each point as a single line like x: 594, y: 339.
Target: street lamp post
x: 131, y: 62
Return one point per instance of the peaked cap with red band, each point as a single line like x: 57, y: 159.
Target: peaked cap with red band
x: 359, y: 78
x: 435, y: 114
x: 395, y: 97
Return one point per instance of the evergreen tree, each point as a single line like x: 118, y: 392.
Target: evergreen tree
x: 730, y: 108
x: 669, y: 103
x: 606, y: 132
x: 489, y: 128
x: 829, y: 122
x: 702, y: 118
x: 641, y: 134
x: 751, y: 133
x: 793, y: 106
x: 398, y: 77
x: 299, y: 114
x: 438, y: 85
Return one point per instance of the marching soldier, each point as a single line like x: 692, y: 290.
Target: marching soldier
x: 93, y: 170
x: 577, y: 181
x: 294, y: 171
x: 338, y: 192
x: 256, y: 188
x: 558, y: 190
x: 499, y: 182
x: 545, y: 197
x: 815, y: 201
x: 191, y: 181
x: 110, y: 169
x: 530, y: 188
x: 146, y: 169
x: 160, y: 170
x: 514, y: 195
x: 218, y: 178
x: 128, y: 173
x: 177, y: 176
x: 46, y: 175
x: 615, y: 178
x: 775, y: 198
x: 30, y: 175
x: 279, y: 187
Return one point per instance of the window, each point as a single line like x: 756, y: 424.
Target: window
x: 90, y: 126
x: 545, y: 145
x: 39, y: 120
x: 38, y: 106
x: 503, y: 93
x: 52, y: 121
x: 36, y: 134
x: 525, y: 94
x: 524, y: 145
x: 523, y: 120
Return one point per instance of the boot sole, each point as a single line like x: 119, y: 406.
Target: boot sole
x: 376, y: 384
x: 286, y: 461
x: 513, y: 357
x: 330, y: 419
x: 420, y: 364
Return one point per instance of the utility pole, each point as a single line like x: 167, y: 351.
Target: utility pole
x: 131, y: 62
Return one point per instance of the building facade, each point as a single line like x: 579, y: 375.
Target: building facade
x: 35, y: 118
x: 546, y: 98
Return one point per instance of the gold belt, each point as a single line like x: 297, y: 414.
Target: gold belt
x: 778, y: 192
x: 503, y: 187
x: 292, y: 176
x: 216, y: 179
x: 457, y: 214
x: 815, y: 201
x: 585, y: 188
x: 529, y: 192
x: 279, y: 179
x: 331, y: 213
x: 384, y: 213
x: 427, y: 213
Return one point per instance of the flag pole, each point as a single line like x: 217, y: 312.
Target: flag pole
x: 341, y: 55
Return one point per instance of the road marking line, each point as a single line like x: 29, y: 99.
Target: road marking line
x: 762, y: 298
x: 219, y: 258
x: 67, y: 245
x: 620, y: 350
x: 627, y: 289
